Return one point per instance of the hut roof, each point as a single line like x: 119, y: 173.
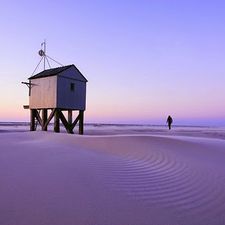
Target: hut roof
x: 54, y: 72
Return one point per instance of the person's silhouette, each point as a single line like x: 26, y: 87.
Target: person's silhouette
x: 169, y: 121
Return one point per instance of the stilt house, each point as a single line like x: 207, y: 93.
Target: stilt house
x: 57, y: 90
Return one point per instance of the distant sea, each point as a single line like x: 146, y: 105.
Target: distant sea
x: 24, y: 124
x: 121, y: 129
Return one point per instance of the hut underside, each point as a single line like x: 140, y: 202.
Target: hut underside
x: 43, y: 118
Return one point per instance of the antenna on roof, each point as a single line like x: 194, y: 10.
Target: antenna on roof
x: 45, y: 58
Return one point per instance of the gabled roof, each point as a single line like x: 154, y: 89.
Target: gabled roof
x: 54, y: 72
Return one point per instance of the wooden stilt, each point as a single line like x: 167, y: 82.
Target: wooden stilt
x: 56, y: 121
x: 81, y: 122
x: 38, y: 117
x: 44, y: 119
x: 70, y: 116
x: 49, y: 119
x: 65, y: 123
x: 32, y: 120
x: 70, y: 121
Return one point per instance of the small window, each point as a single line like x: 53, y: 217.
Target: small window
x: 72, y: 86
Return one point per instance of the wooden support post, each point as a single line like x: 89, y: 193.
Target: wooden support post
x: 81, y: 122
x: 65, y: 123
x: 70, y: 121
x: 44, y: 119
x: 32, y: 119
x: 38, y: 117
x: 56, y: 121
x: 49, y: 118
x: 70, y: 116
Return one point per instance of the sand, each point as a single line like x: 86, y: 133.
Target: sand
x: 123, y: 178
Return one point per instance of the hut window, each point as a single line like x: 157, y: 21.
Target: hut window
x: 72, y: 87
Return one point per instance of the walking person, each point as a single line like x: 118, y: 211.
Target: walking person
x: 169, y: 121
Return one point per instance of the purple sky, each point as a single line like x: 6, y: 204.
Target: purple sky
x: 143, y: 59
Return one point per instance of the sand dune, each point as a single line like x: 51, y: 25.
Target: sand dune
x: 137, y: 179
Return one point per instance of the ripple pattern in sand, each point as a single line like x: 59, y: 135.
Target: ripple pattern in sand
x: 194, y: 192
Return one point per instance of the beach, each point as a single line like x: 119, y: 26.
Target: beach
x: 113, y: 175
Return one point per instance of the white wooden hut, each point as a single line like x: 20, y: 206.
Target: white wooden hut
x: 58, y: 89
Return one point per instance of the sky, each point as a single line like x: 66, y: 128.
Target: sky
x: 144, y: 59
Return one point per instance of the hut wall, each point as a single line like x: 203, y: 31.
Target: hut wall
x: 71, y: 93
x: 43, y: 93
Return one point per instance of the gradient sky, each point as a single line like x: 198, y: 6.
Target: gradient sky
x: 143, y: 59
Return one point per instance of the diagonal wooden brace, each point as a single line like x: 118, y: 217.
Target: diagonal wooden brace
x: 67, y: 125
x: 38, y: 117
x: 49, y: 119
x: 75, y: 122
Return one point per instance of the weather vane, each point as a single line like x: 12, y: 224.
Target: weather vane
x: 44, y: 57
